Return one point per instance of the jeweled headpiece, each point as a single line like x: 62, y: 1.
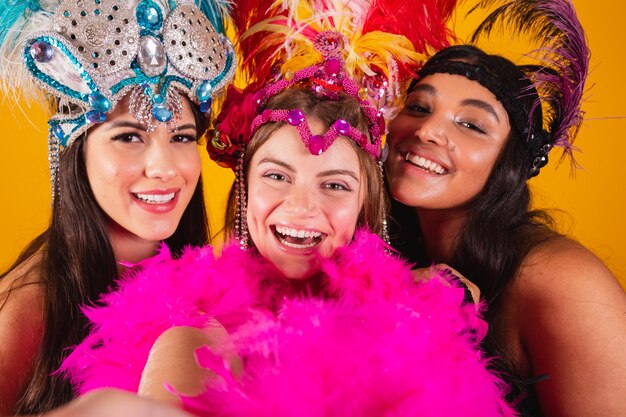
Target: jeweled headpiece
x: 89, y: 54
x: 557, y: 82
x: 365, y: 49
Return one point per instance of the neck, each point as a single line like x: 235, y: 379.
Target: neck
x: 129, y: 248
x: 440, y: 229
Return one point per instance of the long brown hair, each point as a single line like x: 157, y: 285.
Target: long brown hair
x: 327, y: 110
x: 78, y: 264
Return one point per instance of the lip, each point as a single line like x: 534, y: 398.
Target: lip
x: 158, y: 208
x: 296, y: 250
x: 412, y: 168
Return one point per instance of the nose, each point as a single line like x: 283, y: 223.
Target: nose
x: 432, y: 129
x: 300, y: 201
x: 160, y: 161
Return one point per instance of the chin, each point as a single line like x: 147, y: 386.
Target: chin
x: 298, y: 272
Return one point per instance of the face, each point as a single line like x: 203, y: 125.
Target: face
x: 444, y: 143
x: 143, y: 181
x: 301, y: 205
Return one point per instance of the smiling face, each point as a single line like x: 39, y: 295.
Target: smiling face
x: 143, y: 181
x: 444, y: 143
x: 299, y: 204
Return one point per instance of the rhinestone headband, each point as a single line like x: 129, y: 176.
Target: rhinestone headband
x: 316, y: 144
x: 101, y: 50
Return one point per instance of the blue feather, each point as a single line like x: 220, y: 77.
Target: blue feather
x: 14, y: 11
x: 214, y: 10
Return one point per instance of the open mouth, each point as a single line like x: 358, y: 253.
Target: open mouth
x: 297, y: 238
x: 425, y: 164
x: 155, y: 198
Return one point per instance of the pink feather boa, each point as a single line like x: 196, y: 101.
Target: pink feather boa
x: 373, y: 343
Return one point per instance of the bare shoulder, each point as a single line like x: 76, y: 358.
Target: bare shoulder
x: 21, y: 328
x: 571, y: 316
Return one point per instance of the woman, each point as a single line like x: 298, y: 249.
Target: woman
x: 303, y: 313
x: 474, y: 129
x: 124, y: 164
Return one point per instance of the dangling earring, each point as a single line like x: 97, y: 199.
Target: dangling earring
x: 241, y: 223
x: 53, y: 162
x: 384, y: 233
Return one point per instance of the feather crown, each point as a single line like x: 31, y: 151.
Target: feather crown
x: 544, y: 106
x: 364, y: 48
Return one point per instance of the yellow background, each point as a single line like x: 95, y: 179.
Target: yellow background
x: 591, y: 204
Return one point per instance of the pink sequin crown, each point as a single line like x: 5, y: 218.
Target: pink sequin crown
x: 327, y: 79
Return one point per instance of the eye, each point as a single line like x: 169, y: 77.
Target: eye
x: 276, y: 176
x: 184, y: 139
x: 472, y: 126
x: 418, y: 108
x: 129, y: 137
x: 336, y: 186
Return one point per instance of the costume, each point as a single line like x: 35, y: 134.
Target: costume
x: 372, y: 342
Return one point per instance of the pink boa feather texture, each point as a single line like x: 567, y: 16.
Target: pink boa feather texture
x: 371, y: 342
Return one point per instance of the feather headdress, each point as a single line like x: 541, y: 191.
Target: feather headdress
x: 560, y: 75
x: 374, y: 44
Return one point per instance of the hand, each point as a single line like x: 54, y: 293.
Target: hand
x: 115, y: 403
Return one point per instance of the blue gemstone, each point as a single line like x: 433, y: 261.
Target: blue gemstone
x: 342, y: 127
x: 158, y: 99
x: 295, y: 117
x: 57, y: 131
x: 161, y: 113
x: 205, y: 106
x: 41, y: 51
x: 204, y: 91
x: 95, y: 116
x: 99, y: 102
x: 151, y: 15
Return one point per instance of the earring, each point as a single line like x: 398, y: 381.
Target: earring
x: 53, y: 163
x: 384, y: 233
x: 241, y: 223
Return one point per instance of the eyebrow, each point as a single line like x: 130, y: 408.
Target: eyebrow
x: 481, y: 105
x: 268, y: 160
x: 339, y: 172
x: 136, y: 125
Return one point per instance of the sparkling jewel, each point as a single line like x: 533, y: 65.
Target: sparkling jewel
x: 316, y: 145
x: 341, y: 126
x: 99, y: 102
x: 204, y: 91
x: 151, y: 15
x: 332, y: 66
x: 289, y: 75
x: 363, y: 93
x: 41, y: 51
x: 205, y: 106
x: 295, y: 117
x: 161, y: 113
x: 95, y: 116
x: 151, y: 56
x: 158, y: 99
x: 57, y: 131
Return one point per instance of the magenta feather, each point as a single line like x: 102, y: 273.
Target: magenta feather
x: 372, y: 343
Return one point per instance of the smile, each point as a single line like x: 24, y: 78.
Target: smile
x: 155, y: 198
x: 297, y: 238
x: 426, y: 164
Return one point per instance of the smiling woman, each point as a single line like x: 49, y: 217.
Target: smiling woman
x: 124, y: 164
x: 304, y: 300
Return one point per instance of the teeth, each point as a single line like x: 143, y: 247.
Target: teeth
x: 287, y: 231
x: 424, y: 163
x: 156, y: 198
x: 295, y: 245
